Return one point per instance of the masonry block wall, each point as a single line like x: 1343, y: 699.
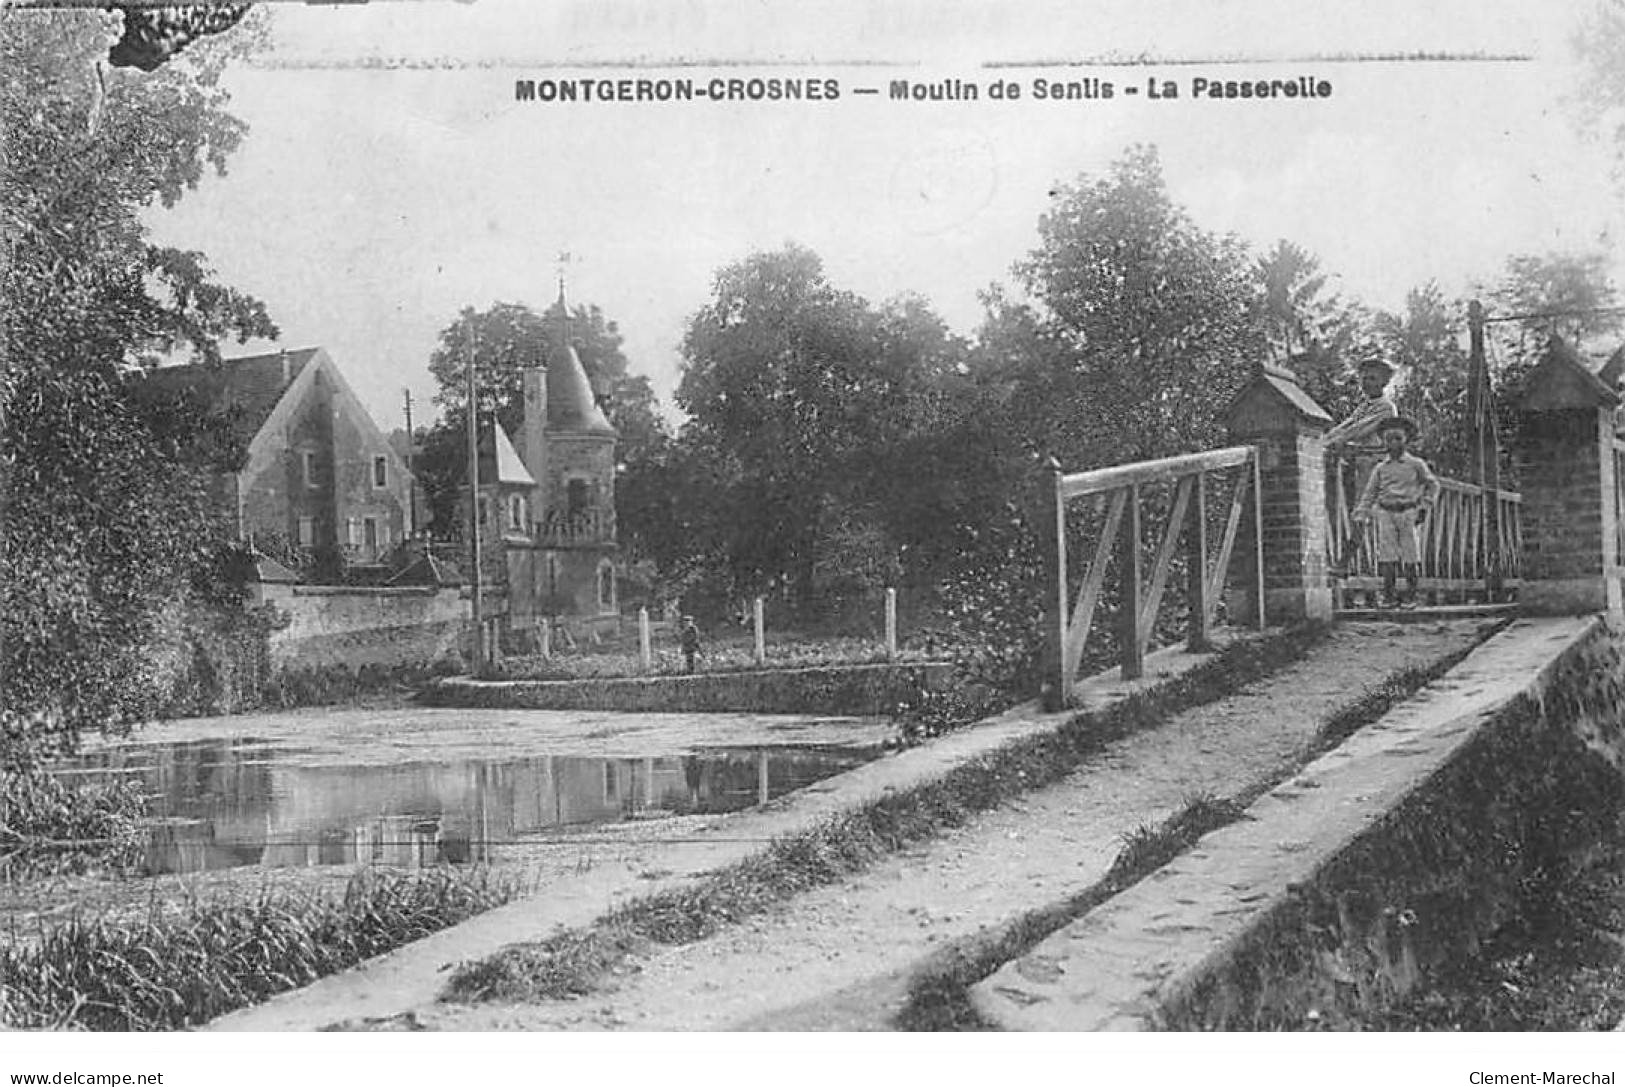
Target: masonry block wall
x: 278, y: 491
x: 1566, y: 468
x: 1293, y: 478
x: 1566, y: 473
x: 1280, y: 420
x: 589, y: 459
x: 333, y: 625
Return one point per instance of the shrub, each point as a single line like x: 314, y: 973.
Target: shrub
x: 179, y: 971
x: 49, y: 827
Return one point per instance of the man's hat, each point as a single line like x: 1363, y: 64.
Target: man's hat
x: 1398, y: 422
x: 1375, y: 363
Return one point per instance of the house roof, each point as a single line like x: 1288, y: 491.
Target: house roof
x: 1563, y: 380
x: 571, y: 405
x: 252, y: 384
x: 499, y: 462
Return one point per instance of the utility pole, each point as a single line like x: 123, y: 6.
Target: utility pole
x: 412, y: 479
x: 474, y: 509
x: 1486, y: 451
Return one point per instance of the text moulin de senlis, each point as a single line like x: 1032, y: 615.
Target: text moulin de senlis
x: 1058, y: 90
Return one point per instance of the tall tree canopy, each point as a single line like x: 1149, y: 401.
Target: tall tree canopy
x: 108, y: 519
x: 802, y: 401
x: 1153, y: 318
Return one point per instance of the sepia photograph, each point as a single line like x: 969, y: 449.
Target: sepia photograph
x: 682, y: 517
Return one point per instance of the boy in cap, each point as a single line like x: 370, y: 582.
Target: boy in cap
x: 1354, y: 446
x: 1398, y: 496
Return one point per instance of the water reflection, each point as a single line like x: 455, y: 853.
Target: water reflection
x: 225, y: 803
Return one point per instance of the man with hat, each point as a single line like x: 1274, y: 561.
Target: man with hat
x: 1398, y: 496
x: 1360, y: 430
x: 1353, y: 448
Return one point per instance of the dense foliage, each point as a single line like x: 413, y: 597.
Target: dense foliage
x: 49, y: 827
x: 217, y: 956
x: 109, y: 522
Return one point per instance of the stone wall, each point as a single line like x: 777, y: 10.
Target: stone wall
x: 859, y: 690
x: 350, y: 626
x: 1535, y: 785
x: 1348, y: 884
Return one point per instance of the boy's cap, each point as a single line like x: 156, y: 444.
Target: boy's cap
x: 1375, y: 364
x: 1398, y: 422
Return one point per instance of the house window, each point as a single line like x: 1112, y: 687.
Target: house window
x: 516, y: 512
x: 606, y: 587
x: 369, y: 530
x: 577, y: 496
x: 611, y: 784
x: 380, y: 472
x: 308, y: 459
x: 307, y: 532
x: 352, y: 532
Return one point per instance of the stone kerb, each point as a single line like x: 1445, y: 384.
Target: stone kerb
x: 1275, y: 415
x: 1565, y: 457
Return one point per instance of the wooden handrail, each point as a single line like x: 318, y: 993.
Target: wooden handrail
x: 1140, y: 590
x: 1164, y: 470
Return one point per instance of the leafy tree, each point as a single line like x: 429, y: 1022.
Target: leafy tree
x: 1425, y: 342
x: 1319, y: 335
x: 108, y: 520
x: 1151, y: 318
x: 1564, y: 294
x: 803, y: 400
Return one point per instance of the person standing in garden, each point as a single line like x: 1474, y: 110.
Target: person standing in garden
x: 1398, y: 496
x: 689, y: 637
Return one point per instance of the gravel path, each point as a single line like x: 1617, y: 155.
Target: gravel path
x: 840, y: 958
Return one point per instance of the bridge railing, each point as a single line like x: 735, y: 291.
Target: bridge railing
x: 1122, y: 498
x: 1469, y: 548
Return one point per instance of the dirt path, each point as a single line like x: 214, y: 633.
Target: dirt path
x: 840, y: 958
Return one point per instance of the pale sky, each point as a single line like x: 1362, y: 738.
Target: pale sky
x: 391, y: 178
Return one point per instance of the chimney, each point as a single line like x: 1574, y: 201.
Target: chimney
x: 287, y: 367
x: 534, y: 443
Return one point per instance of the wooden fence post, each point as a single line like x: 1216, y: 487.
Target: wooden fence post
x: 1057, y: 682
x: 761, y: 638
x: 1199, y: 637
x: 1130, y: 589
x: 645, y: 650
x: 891, y: 624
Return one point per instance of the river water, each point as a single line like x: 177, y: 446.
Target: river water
x: 446, y: 788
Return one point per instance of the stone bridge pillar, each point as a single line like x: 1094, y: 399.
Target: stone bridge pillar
x: 1570, y: 516
x: 1283, y: 422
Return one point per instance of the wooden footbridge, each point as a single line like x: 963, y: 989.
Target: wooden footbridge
x: 1158, y: 551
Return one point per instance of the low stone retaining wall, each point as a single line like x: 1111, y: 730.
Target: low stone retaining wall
x: 847, y: 690
x: 327, y: 625
x: 1399, y: 850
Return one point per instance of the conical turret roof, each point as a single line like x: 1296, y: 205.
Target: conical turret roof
x: 571, y: 406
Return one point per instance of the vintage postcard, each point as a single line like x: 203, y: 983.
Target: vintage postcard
x: 711, y: 516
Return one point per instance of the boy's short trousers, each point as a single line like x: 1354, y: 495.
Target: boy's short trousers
x: 1396, y: 535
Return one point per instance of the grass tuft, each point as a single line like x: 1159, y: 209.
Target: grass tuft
x: 179, y: 971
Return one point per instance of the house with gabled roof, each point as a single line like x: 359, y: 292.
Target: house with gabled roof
x: 316, y: 477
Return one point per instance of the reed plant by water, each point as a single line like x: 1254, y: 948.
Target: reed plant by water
x: 173, y: 972
x: 48, y: 827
